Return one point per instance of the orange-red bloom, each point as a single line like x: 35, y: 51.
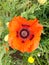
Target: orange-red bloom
x: 7, y: 49
x: 24, y: 35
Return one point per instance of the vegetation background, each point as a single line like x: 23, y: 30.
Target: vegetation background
x: 30, y: 9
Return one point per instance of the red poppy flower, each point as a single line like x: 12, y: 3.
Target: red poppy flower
x: 24, y: 35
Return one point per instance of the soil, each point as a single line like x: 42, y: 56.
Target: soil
x: 16, y: 55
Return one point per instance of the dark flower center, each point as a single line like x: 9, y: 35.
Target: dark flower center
x: 24, y: 33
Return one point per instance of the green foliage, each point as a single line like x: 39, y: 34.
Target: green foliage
x: 29, y: 9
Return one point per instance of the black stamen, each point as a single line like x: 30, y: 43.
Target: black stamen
x: 25, y: 25
x: 23, y: 41
x: 17, y: 34
x: 32, y: 37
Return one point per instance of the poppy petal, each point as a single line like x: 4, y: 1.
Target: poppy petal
x: 35, y: 44
x: 14, y: 24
